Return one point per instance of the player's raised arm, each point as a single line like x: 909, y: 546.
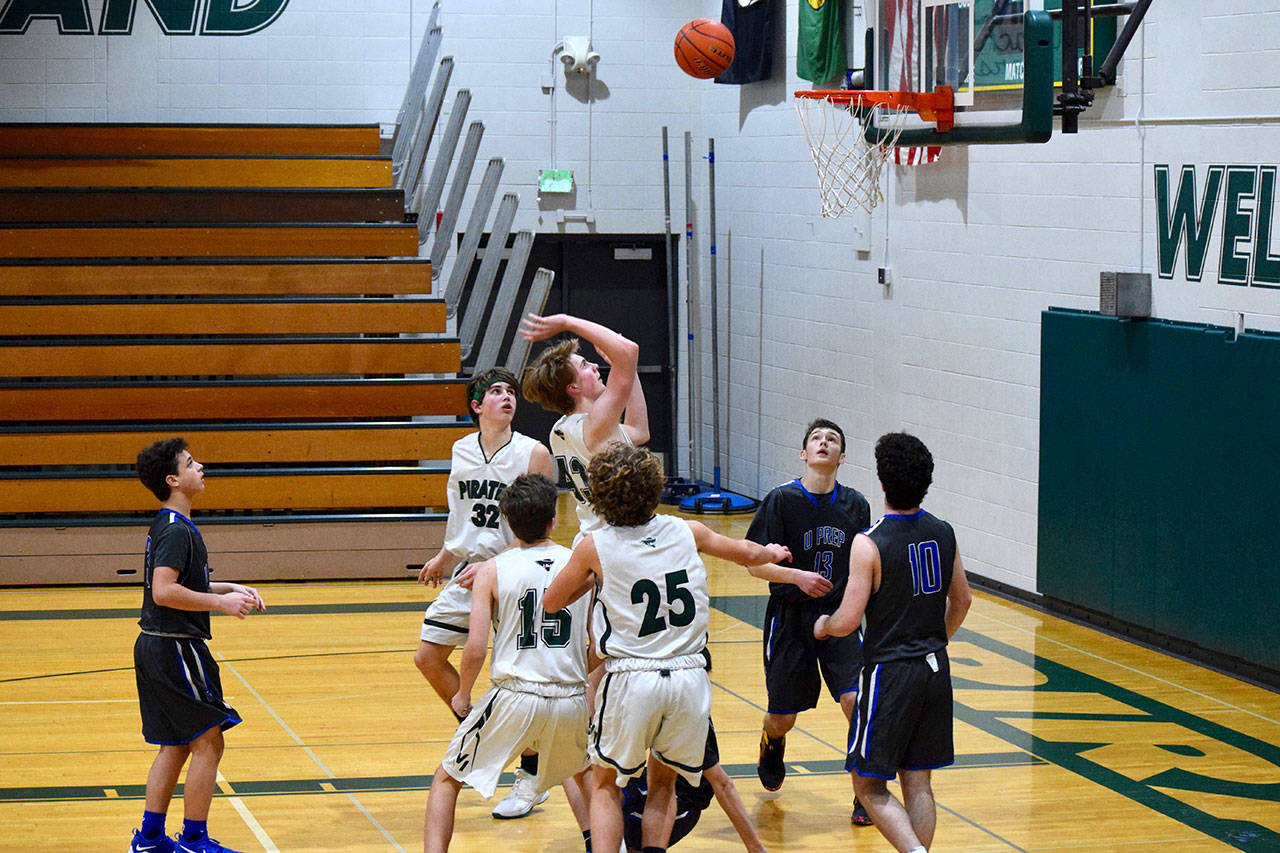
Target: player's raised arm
x: 744, y: 552
x: 811, y: 584
x: 622, y: 355
x: 635, y: 420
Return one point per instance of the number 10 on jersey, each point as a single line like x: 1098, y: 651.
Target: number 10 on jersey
x: 926, y: 567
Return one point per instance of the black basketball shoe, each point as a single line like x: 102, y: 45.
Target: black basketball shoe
x: 770, y: 767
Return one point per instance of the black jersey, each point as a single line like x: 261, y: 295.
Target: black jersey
x: 174, y: 541
x: 752, y: 24
x: 906, y: 616
x: 819, y: 530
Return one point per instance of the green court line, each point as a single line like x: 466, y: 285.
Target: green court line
x: 366, y: 784
x: 1243, y: 835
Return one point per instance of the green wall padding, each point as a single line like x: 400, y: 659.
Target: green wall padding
x: 1160, y: 478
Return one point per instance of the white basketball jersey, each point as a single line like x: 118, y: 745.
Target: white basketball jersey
x: 572, y: 457
x: 653, y: 590
x: 529, y: 644
x: 475, y: 529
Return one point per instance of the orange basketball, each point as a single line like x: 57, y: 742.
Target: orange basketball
x: 704, y: 48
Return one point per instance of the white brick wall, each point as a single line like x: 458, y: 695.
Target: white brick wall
x: 979, y: 244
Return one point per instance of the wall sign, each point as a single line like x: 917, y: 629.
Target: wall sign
x: 1245, y: 195
x: 175, y: 17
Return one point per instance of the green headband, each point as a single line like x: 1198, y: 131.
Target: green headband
x: 483, y: 388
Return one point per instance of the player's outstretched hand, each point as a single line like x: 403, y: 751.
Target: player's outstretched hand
x: 460, y: 704
x: 812, y: 584
x: 820, y: 628
x: 537, y: 328
x: 236, y: 604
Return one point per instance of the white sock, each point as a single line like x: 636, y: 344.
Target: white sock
x: 917, y: 850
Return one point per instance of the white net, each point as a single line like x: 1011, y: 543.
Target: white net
x: 848, y: 163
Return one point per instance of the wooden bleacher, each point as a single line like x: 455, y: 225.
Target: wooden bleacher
x: 217, y: 282
x: 40, y: 170
x: 191, y: 140
x: 213, y: 240
x: 181, y: 277
x: 236, y: 204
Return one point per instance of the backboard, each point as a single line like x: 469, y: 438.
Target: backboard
x: 974, y: 46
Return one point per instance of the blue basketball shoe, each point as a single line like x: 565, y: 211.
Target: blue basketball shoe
x: 205, y: 844
x: 141, y: 844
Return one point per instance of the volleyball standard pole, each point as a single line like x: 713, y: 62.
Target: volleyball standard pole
x: 716, y: 500
x: 694, y: 319
x: 677, y: 486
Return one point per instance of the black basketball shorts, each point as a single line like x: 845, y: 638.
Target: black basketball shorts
x: 796, y: 664
x: 903, y: 717
x: 179, y: 689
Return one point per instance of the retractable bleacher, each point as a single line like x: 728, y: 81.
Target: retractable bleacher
x: 255, y: 289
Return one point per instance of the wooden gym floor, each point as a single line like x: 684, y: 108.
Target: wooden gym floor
x: 1066, y: 738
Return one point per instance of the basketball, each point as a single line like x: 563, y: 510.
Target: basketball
x: 704, y: 48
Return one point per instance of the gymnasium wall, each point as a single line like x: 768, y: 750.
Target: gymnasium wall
x: 977, y: 245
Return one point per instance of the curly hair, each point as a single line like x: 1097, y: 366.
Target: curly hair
x: 479, y: 385
x: 156, y: 462
x: 626, y: 483
x: 905, y: 468
x: 547, y: 379
x: 529, y: 505
x: 822, y: 423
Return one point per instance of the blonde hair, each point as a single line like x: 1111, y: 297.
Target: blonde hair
x: 547, y: 380
x: 626, y: 483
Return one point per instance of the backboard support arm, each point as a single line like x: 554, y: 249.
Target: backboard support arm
x: 1107, y: 71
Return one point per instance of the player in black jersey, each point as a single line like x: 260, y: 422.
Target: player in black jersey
x: 691, y: 800
x: 906, y: 578
x: 179, y: 690
x: 816, y: 517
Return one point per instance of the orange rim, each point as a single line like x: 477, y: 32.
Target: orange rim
x: 937, y: 106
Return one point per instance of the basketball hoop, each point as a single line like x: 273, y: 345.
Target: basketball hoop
x: 850, y: 144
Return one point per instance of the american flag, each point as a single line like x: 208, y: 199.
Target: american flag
x: 900, y: 32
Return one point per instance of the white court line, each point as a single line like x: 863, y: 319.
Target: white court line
x: 1130, y: 668
x: 307, y: 750
x: 247, y: 816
